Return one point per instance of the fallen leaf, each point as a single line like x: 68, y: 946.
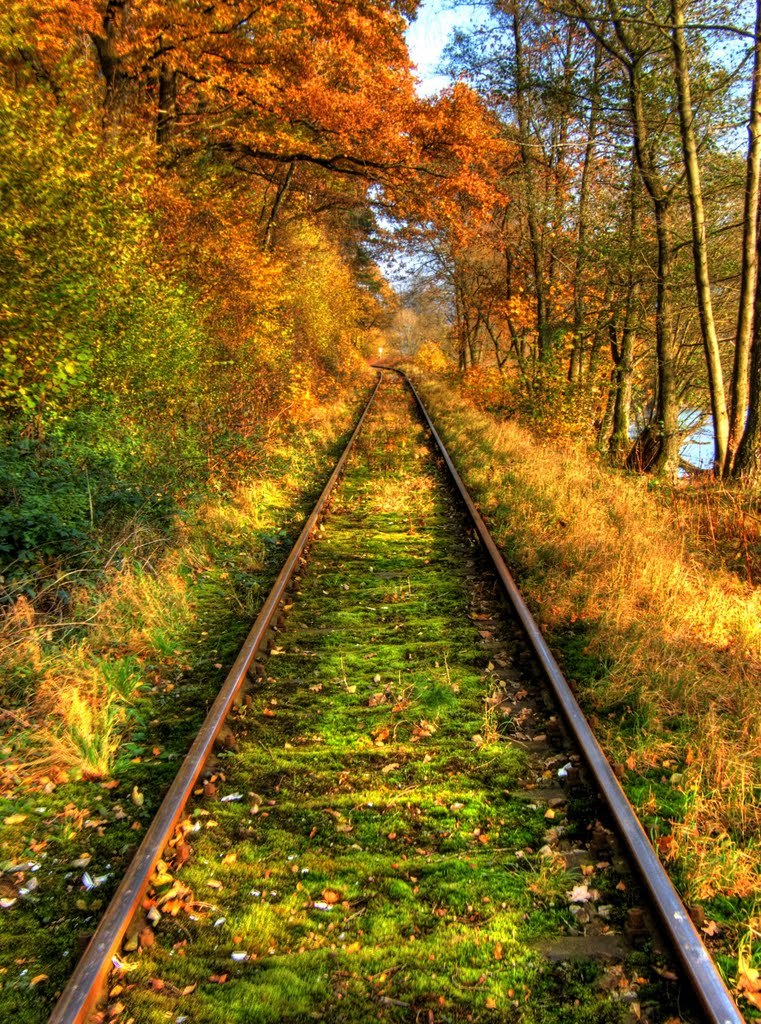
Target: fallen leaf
x: 269, y: 713
x: 331, y: 896
x: 665, y: 845
x: 582, y: 894
x: 498, y: 951
x: 749, y: 984
x: 218, y: 979
x: 14, y: 819
x: 37, y: 979
x: 389, y: 767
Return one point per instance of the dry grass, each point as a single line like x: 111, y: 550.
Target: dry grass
x: 726, y: 520
x: 80, y: 710
x: 599, y: 553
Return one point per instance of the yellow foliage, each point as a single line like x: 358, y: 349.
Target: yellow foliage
x: 430, y: 358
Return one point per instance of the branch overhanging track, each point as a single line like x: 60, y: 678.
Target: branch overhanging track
x: 704, y: 980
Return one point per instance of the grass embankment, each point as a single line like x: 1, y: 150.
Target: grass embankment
x: 661, y: 641
x: 367, y: 853
x: 100, y: 705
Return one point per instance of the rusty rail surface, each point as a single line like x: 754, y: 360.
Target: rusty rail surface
x: 84, y: 988
x: 696, y: 962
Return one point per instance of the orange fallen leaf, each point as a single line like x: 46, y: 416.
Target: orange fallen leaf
x: 37, y: 979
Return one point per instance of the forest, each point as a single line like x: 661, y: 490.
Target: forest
x: 580, y: 208
x: 216, y: 214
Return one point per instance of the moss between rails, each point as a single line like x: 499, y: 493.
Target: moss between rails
x: 363, y: 860
x: 113, y: 709
x: 664, y: 647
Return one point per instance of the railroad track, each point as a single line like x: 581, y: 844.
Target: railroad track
x: 395, y: 808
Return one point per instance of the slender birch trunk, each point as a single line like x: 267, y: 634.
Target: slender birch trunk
x: 749, y: 268
x: 699, y: 239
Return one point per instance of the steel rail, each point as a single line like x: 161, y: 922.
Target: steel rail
x: 696, y: 962
x: 84, y: 988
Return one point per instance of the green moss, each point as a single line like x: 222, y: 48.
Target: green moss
x: 380, y: 867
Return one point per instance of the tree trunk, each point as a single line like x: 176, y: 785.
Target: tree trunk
x: 107, y: 49
x: 281, y: 191
x: 748, y: 459
x: 667, y: 408
x: 749, y: 268
x: 663, y: 439
x: 167, y: 111
x: 699, y: 241
x: 579, y: 296
x: 619, y: 439
x: 747, y: 464
x: 529, y: 180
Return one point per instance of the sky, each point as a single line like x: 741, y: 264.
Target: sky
x: 428, y: 35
